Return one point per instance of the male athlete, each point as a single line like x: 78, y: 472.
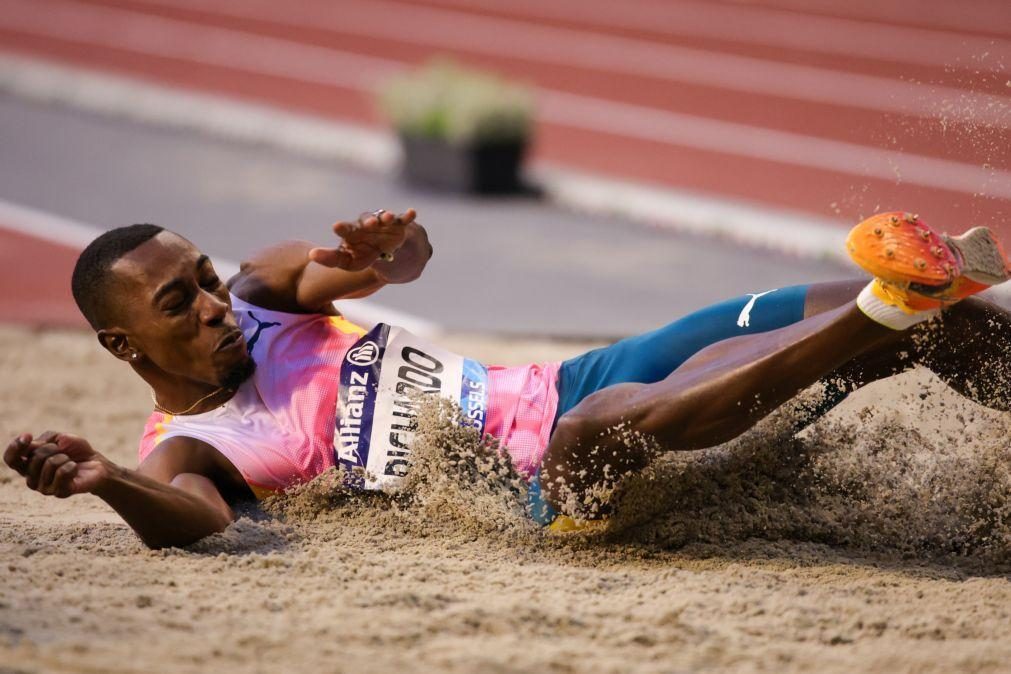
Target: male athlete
x: 261, y: 384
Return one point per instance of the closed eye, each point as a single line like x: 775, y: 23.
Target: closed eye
x: 175, y: 306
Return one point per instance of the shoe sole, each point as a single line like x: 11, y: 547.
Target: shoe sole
x: 983, y: 258
x: 901, y: 249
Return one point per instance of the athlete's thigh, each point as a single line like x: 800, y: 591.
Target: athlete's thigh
x: 598, y: 390
x: 653, y: 356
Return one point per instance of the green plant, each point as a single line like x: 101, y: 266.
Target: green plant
x: 460, y: 105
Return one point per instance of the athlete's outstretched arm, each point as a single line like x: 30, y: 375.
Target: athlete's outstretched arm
x: 299, y: 277
x: 176, y: 512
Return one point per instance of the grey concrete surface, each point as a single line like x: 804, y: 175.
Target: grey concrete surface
x: 513, y: 265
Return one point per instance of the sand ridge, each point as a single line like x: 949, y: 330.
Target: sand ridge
x: 860, y: 546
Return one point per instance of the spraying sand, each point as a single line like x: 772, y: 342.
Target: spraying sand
x: 862, y: 545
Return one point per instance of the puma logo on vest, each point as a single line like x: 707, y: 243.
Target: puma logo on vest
x: 744, y: 320
x: 260, y: 327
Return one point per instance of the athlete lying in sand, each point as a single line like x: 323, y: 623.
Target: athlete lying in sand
x: 262, y: 384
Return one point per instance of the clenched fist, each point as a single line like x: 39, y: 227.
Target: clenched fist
x: 57, y: 464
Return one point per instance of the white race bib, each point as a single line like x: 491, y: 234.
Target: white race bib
x: 376, y: 410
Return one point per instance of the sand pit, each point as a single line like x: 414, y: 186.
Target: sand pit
x: 861, y: 546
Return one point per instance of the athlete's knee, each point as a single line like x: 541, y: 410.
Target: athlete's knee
x: 570, y: 469
x: 573, y: 430
x: 590, y: 450
x: 589, y: 419
x: 570, y: 428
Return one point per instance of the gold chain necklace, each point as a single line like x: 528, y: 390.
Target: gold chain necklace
x: 188, y: 409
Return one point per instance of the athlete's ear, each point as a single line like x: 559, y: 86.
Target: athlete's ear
x: 116, y: 342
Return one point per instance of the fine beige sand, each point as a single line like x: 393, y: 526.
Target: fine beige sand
x: 862, y: 546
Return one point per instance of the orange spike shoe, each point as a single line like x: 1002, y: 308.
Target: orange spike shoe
x: 917, y: 269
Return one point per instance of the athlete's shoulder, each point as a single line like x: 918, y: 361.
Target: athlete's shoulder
x: 183, y: 454
x: 269, y: 279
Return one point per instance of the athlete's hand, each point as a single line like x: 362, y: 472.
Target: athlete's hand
x: 365, y: 241
x: 57, y: 464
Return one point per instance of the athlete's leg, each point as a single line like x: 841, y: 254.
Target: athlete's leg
x: 716, y: 395
x: 969, y: 347
x: 725, y: 388
x: 651, y: 357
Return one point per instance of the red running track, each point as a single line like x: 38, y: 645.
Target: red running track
x: 831, y: 107
x: 30, y: 296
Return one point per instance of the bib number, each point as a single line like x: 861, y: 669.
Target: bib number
x: 377, y: 414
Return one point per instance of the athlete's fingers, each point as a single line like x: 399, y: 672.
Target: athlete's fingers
x: 14, y: 455
x: 368, y: 219
x: 391, y: 223
x: 49, y: 468
x: 36, y: 461
x: 386, y: 219
x: 374, y: 230
x: 47, y: 437
x: 364, y: 241
x: 63, y: 481
x: 363, y: 234
x: 368, y: 226
x: 376, y: 219
x: 342, y: 228
x: 408, y: 216
x: 338, y: 258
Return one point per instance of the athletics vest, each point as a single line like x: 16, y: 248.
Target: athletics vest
x: 326, y: 391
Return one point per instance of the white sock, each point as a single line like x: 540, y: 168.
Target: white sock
x: 890, y: 315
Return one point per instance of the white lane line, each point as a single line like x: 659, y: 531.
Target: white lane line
x: 497, y: 37
x: 801, y: 234
x: 334, y: 68
x: 144, y: 101
x: 790, y: 232
x: 194, y: 43
x: 770, y: 27
x: 73, y: 234
x: 331, y: 67
x: 46, y: 226
x: 979, y: 16
x: 742, y: 140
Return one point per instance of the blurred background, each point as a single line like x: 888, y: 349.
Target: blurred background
x: 675, y: 152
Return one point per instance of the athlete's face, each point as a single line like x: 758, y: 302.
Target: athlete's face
x: 174, y: 312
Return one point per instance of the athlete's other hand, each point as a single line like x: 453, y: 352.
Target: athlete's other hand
x: 366, y: 240
x: 57, y: 464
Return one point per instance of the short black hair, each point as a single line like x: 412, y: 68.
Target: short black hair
x: 91, y: 281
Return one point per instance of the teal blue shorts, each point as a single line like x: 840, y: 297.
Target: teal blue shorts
x: 651, y: 357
